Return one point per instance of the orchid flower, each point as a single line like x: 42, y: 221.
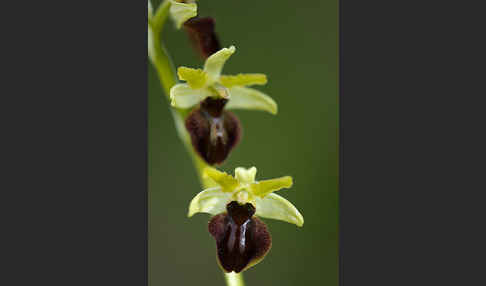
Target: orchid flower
x: 242, y: 239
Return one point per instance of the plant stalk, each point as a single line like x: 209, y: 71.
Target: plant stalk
x: 234, y: 279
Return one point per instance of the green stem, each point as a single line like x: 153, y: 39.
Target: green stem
x: 167, y: 76
x: 234, y: 279
x: 157, y: 52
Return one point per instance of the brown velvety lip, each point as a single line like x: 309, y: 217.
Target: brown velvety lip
x: 214, y: 132
x: 241, y: 239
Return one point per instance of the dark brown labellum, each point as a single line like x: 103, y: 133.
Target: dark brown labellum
x: 241, y: 239
x: 202, y: 35
x: 214, y: 131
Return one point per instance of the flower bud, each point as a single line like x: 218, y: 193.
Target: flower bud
x: 241, y: 239
x: 202, y: 36
x: 214, y: 131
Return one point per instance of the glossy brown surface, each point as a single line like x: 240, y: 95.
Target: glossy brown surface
x: 202, y: 35
x: 241, y: 239
x: 214, y: 131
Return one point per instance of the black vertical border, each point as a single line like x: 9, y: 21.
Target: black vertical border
x: 412, y: 143
x: 74, y: 155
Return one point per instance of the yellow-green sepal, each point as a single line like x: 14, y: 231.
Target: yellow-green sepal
x: 249, y: 98
x: 181, y: 12
x: 183, y: 96
x: 212, y: 201
x: 243, y: 79
x: 274, y: 206
x: 265, y: 187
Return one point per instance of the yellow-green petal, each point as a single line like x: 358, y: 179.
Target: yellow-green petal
x: 265, y: 187
x: 195, y: 78
x: 246, y: 79
x: 214, y: 64
x: 212, y: 201
x: 245, y: 176
x: 226, y: 181
x: 183, y: 96
x: 181, y: 12
x: 276, y: 207
x: 249, y: 98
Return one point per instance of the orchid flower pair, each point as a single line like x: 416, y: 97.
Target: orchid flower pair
x: 236, y: 202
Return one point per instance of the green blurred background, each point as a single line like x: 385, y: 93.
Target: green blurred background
x: 296, y: 44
